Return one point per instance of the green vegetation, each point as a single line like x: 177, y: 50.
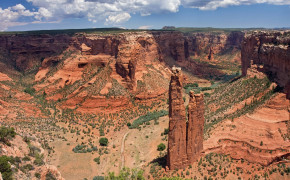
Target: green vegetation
x: 126, y: 174
x: 50, y: 176
x: 6, y: 134
x: 148, y: 117
x: 84, y: 148
x: 104, y: 141
x: 29, y: 90
x: 97, y: 160
x: 5, y: 168
x: 99, y: 178
x: 161, y: 147
x: 231, y: 93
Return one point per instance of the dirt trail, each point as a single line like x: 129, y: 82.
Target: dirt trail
x: 122, y: 150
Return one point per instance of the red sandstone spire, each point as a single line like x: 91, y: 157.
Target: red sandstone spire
x: 185, y: 139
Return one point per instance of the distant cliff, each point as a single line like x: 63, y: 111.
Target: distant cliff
x: 271, y: 52
x: 110, y: 68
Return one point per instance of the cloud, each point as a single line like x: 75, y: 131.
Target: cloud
x: 144, y: 27
x: 110, y: 12
x: 118, y: 18
x: 214, y: 4
x: 10, y: 16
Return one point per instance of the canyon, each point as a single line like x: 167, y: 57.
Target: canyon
x: 66, y: 90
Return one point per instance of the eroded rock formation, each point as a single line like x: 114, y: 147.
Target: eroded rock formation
x: 195, y: 126
x: 185, y: 139
x: 271, y: 52
x: 81, y: 68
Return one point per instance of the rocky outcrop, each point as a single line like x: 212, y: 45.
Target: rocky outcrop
x: 185, y: 139
x: 176, y: 155
x: 195, y: 126
x: 270, y: 51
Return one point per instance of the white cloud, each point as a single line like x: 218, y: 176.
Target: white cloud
x: 9, y: 16
x: 118, y: 18
x: 214, y: 4
x: 144, y: 27
x: 113, y: 12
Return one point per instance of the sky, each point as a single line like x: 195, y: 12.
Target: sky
x: 23, y: 15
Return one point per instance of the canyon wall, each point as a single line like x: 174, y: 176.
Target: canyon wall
x: 270, y: 51
x: 80, y: 69
x: 185, y: 139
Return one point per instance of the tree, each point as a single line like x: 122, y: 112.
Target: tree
x: 103, y: 141
x: 5, y: 168
x: 161, y: 147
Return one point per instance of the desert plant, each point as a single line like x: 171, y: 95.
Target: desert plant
x: 6, y: 134
x: 5, y: 168
x: 161, y: 147
x: 104, y: 141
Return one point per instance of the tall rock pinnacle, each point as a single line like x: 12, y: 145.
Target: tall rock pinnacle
x: 185, y: 139
x: 177, y: 122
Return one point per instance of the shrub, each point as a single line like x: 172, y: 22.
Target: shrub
x: 26, y: 158
x: 261, y: 143
x: 97, y: 160
x: 161, y: 147
x: 38, y: 160
x: 99, y: 178
x: 29, y: 90
x: 49, y: 176
x: 5, y: 168
x: 103, y: 141
x: 28, y: 167
x: 37, y: 175
x: 6, y: 134
x: 166, y: 131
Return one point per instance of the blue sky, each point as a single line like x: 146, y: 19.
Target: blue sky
x: 21, y: 15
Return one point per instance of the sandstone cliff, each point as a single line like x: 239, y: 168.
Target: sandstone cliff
x: 185, y: 139
x: 113, y: 69
x: 271, y: 52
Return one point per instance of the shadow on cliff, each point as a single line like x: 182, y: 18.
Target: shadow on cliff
x: 161, y: 161
x: 176, y: 48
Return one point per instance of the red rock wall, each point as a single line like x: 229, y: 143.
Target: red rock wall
x: 26, y: 51
x: 271, y: 51
x: 180, y: 46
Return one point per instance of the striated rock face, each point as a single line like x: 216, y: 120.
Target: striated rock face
x: 185, y: 139
x: 180, y: 46
x: 195, y: 126
x: 26, y: 51
x: 83, y: 69
x: 177, y: 157
x: 270, y: 51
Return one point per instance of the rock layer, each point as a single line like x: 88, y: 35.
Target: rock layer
x: 185, y: 139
